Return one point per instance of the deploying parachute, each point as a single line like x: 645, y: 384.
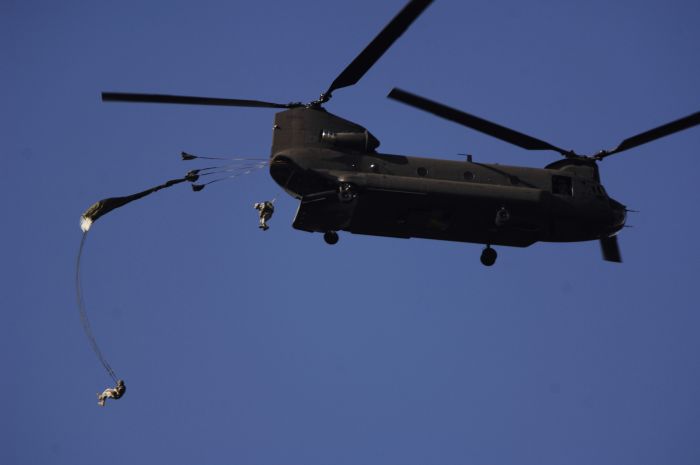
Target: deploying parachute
x: 105, y: 206
x: 237, y: 167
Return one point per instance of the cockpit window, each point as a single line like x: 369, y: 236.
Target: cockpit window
x: 562, y: 185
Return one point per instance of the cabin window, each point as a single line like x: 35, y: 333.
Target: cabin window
x: 469, y: 176
x: 562, y: 185
x: 422, y: 171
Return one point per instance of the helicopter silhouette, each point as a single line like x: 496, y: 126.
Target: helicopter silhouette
x: 332, y: 166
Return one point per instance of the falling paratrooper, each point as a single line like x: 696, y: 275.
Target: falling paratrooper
x: 239, y: 166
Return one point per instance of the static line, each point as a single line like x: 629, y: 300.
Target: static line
x: 83, y: 313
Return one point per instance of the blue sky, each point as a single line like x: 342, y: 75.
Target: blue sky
x: 239, y: 346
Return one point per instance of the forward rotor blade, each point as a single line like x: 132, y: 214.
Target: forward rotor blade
x: 392, y: 31
x: 611, y: 250
x: 181, y: 99
x: 653, y: 134
x: 474, y: 122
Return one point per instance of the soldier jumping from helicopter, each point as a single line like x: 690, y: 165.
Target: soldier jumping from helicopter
x: 113, y: 393
x: 265, y: 211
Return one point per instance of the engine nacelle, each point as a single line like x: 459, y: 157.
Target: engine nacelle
x: 363, y: 141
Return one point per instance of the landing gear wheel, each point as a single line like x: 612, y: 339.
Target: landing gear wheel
x: 331, y: 237
x: 488, y: 256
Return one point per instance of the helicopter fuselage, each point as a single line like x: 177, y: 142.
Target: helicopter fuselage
x: 331, y: 165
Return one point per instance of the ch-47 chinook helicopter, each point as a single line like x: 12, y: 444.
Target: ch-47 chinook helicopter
x: 332, y: 166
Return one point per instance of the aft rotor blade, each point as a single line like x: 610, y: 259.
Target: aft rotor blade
x: 610, y: 249
x: 474, y: 122
x: 182, y: 99
x: 392, y: 31
x: 653, y: 134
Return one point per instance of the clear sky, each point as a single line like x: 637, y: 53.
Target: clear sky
x: 249, y: 347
